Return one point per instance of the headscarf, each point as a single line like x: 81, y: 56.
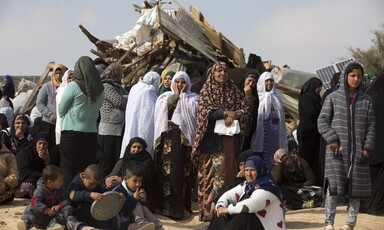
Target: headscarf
x: 56, y: 83
x: 87, y: 78
x: 369, y: 76
x: 113, y: 74
x: 24, y: 118
x: 185, y: 112
x: 263, y: 178
x: 139, y: 114
x: 9, y: 87
x: 8, y: 78
x: 64, y: 79
x: 267, y: 100
x: 253, y: 74
x: 59, y: 94
x: 311, y: 85
x: 215, y: 96
x: 132, y: 160
x: 162, y: 88
x: 6, y: 110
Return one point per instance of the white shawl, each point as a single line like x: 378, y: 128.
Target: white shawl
x: 59, y: 94
x: 185, y: 112
x: 139, y: 114
x: 267, y: 99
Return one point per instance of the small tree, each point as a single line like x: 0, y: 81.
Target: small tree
x: 373, y: 57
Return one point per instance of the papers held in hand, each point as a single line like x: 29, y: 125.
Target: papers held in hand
x: 231, y: 130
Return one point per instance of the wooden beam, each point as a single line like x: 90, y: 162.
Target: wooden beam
x: 27, y: 107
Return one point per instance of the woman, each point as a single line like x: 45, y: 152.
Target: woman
x: 112, y: 115
x: 270, y: 132
x: 65, y: 80
x: 30, y: 164
x: 17, y: 136
x: 166, y: 80
x: 252, y: 99
x: 7, y: 111
x: 307, y: 134
x: 9, y: 90
x: 8, y: 175
x: 255, y: 204
x: 135, y: 156
x: 139, y: 114
x: 79, y: 109
x: 175, y: 128
x: 215, y: 155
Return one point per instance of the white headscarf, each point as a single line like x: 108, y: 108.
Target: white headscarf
x: 267, y: 100
x: 185, y: 112
x: 7, y: 111
x: 59, y: 94
x: 139, y: 114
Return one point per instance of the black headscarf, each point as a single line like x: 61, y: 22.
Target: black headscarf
x: 138, y: 160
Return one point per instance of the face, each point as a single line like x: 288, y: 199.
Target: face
x: 20, y: 124
x: 250, y: 174
x: 241, y: 165
x: 133, y: 182
x: 58, y: 74
x: 269, y: 85
x: 167, y: 81
x: 180, y: 84
x: 354, y: 79
x: 221, y: 75
x: 41, y: 146
x: 287, y: 160
x: 70, y: 77
x: 56, y: 184
x: 251, y: 82
x: 90, y: 184
x: 318, y: 90
x: 136, y: 147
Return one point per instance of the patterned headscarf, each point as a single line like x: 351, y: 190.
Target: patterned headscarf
x: 113, y: 73
x: 214, y: 96
x: 87, y: 77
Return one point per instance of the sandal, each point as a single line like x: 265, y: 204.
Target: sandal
x: 347, y: 227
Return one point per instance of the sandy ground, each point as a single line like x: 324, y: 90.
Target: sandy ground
x: 299, y: 219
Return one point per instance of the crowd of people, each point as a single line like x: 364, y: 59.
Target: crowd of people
x: 159, y: 144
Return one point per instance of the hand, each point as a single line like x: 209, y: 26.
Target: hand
x: 366, y: 153
x: 52, y: 212
x: 222, y: 211
x: 19, y: 133
x: 44, y: 154
x: 175, y: 89
x: 136, y: 194
x: 228, y: 121
x: 334, y: 147
x: 142, y: 194
x: 248, y: 89
x: 52, y: 117
x: 122, y: 197
x: 56, y: 208
x: 276, y: 159
x: 241, y: 173
x: 112, y: 181
x: 96, y: 196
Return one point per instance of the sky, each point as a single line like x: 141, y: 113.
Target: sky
x: 304, y: 34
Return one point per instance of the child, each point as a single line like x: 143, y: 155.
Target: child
x: 347, y: 124
x: 83, y: 190
x: 134, y: 203
x: 49, y: 207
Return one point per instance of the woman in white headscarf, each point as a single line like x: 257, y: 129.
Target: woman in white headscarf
x: 175, y: 129
x: 270, y: 132
x: 6, y: 109
x: 139, y: 121
x: 67, y: 78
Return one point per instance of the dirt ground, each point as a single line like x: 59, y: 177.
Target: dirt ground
x: 299, y: 219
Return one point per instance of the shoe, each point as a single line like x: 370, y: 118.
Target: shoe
x: 347, y: 227
x: 56, y: 227
x: 329, y: 227
x: 135, y: 226
x: 88, y: 228
x: 308, y: 204
x: 21, y: 225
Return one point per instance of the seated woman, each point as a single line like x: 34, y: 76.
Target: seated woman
x: 30, y: 164
x: 254, y: 204
x: 8, y: 175
x: 17, y: 136
x: 136, y: 156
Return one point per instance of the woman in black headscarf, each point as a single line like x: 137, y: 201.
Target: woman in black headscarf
x: 135, y: 156
x: 30, y: 164
x: 307, y: 133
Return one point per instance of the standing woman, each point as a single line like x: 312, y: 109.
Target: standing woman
x: 252, y: 99
x: 308, y: 135
x: 112, y: 115
x: 270, y: 132
x: 175, y: 129
x: 79, y: 109
x: 139, y: 114
x: 216, y: 155
x: 166, y: 80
